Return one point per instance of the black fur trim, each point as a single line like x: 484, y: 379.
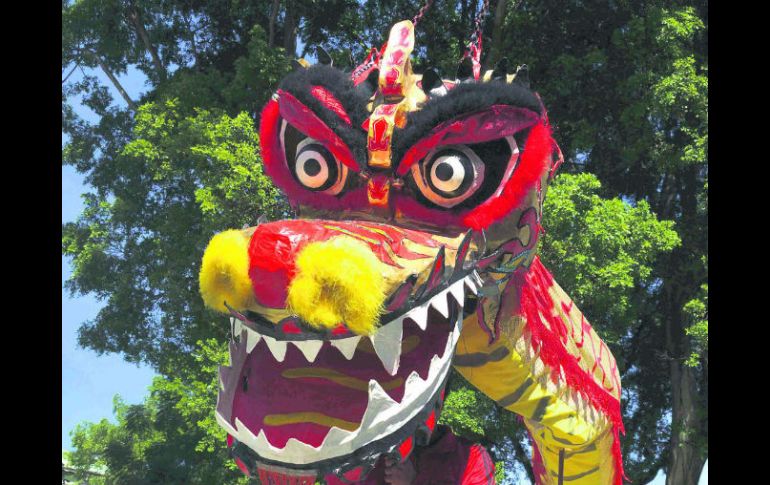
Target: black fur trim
x: 462, y: 99
x: 299, y: 83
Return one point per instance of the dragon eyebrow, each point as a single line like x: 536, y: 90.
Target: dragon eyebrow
x: 309, y: 124
x: 461, y: 100
x: 495, y: 122
x: 330, y: 102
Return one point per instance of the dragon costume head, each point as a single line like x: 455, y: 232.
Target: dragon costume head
x: 420, y: 203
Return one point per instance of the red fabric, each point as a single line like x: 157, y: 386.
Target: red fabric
x: 536, y: 304
x: 480, y: 470
x: 533, y: 163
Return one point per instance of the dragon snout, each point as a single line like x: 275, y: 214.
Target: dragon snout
x: 325, y: 277
x: 327, y: 273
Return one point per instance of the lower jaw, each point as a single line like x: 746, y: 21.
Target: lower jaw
x: 352, y: 466
x: 387, y: 427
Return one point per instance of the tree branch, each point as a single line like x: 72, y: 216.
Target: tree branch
x: 77, y: 64
x: 135, y: 19
x: 113, y: 79
x: 521, y: 455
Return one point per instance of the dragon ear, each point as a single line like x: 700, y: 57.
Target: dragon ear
x: 431, y: 79
x: 501, y: 70
x: 323, y: 56
x: 465, y: 71
x: 522, y: 76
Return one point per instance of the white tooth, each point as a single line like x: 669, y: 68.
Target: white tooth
x: 347, y: 346
x: 477, y: 279
x: 471, y: 285
x: 458, y: 292
x: 257, y: 443
x: 379, y: 400
x: 252, y: 339
x: 340, y: 440
x: 227, y: 426
x: 296, y: 451
x: 277, y: 347
x: 439, y: 303
x: 387, y: 344
x: 419, y: 315
x: 309, y: 348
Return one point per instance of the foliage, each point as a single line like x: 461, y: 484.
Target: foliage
x: 626, y: 85
x: 602, y: 249
x: 171, y: 438
x: 172, y: 187
x: 697, y: 313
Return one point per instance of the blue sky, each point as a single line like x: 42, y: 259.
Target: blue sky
x: 89, y: 381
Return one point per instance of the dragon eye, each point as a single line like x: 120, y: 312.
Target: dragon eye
x: 449, y: 175
x: 315, y: 167
x: 311, y: 164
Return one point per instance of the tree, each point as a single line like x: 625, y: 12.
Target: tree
x: 171, y: 438
x: 626, y: 86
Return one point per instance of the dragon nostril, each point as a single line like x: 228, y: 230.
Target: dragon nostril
x: 339, y: 280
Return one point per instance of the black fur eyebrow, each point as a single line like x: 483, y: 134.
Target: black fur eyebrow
x: 462, y: 99
x: 300, y: 82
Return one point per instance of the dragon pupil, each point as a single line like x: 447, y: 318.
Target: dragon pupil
x: 444, y: 172
x: 312, y: 167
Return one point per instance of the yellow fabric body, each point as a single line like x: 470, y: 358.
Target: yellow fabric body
x: 509, y: 373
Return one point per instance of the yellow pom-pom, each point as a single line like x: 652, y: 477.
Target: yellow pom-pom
x: 224, y: 275
x: 338, y: 281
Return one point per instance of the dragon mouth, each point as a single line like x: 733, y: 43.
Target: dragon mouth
x: 306, y: 401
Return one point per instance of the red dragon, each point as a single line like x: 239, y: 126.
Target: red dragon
x: 419, y: 203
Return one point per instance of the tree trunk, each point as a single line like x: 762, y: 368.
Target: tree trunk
x: 681, y: 283
x: 462, y: 33
x: 495, y: 51
x: 686, y: 462
x: 271, y: 24
x: 114, y: 80
x: 136, y: 20
x: 290, y: 32
x: 193, y: 45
